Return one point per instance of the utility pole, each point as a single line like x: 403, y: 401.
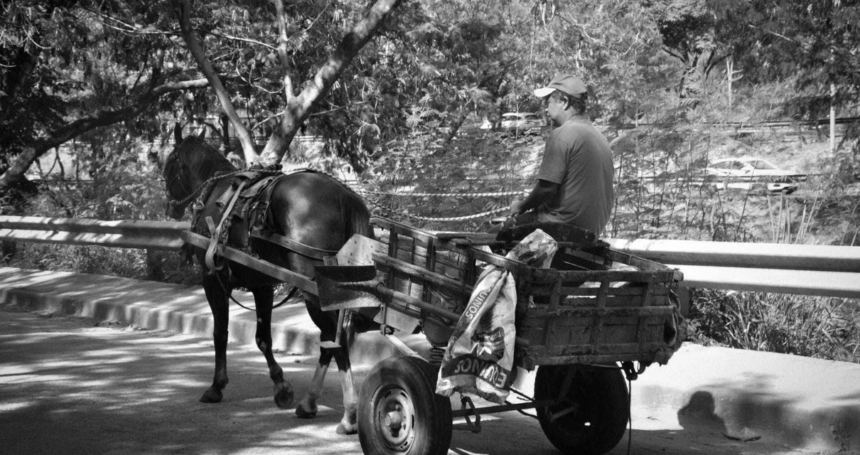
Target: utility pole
x: 833, y: 120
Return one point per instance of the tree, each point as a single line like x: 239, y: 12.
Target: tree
x: 297, y: 106
x: 688, y: 28
x: 69, y: 67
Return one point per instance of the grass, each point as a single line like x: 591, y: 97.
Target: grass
x: 820, y: 327
x: 168, y: 267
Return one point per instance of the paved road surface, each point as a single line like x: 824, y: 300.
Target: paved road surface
x: 69, y: 386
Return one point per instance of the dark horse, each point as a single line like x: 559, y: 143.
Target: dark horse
x: 314, y: 210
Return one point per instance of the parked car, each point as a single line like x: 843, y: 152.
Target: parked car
x: 747, y: 172
x: 522, y: 121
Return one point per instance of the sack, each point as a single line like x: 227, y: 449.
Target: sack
x: 480, y: 354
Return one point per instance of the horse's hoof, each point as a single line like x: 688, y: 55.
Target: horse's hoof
x: 347, y: 429
x: 212, y: 395
x: 303, y: 413
x: 284, y: 398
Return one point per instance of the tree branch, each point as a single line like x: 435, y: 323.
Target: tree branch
x: 34, y: 150
x: 282, y: 50
x: 297, y: 110
x: 184, y: 11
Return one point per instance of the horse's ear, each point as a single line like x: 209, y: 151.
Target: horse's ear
x: 177, y: 133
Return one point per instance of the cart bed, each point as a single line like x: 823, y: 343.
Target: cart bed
x: 611, y: 307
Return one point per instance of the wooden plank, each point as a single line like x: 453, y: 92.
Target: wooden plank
x: 531, y: 360
x: 595, y: 311
x: 423, y: 274
x: 447, y: 262
x: 287, y: 276
x: 551, y: 275
x: 398, y: 228
x: 635, y: 349
x: 401, y: 298
x: 605, y: 348
x: 588, y: 289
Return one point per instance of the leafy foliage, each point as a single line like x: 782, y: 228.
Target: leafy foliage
x: 810, y: 326
x: 406, y: 110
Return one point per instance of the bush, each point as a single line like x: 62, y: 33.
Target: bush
x: 163, y: 266
x: 820, y: 327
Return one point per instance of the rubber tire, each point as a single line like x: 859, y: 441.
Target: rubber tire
x: 410, y: 381
x: 602, y: 400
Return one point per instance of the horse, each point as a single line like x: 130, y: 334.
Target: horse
x: 310, y: 209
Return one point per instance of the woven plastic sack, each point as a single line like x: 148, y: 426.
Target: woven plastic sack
x: 480, y: 354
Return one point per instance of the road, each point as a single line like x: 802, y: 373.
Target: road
x: 71, y: 386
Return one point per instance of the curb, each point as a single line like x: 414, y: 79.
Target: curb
x: 745, y: 395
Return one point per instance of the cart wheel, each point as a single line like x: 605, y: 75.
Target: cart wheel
x: 399, y: 411
x: 589, y: 417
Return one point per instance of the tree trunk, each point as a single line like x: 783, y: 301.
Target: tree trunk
x: 206, y: 68
x: 299, y: 108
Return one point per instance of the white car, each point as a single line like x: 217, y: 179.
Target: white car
x: 745, y: 173
x: 522, y: 121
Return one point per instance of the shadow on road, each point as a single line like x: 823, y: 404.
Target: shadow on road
x: 77, y: 388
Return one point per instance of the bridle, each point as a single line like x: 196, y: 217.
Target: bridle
x: 182, y: 176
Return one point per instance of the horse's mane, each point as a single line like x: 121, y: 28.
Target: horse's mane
x: 203, y: 157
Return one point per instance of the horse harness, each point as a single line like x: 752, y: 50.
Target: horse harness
x: 246, y: 206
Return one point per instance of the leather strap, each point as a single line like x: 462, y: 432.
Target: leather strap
x: 292, y: 245
x: 216, y: 236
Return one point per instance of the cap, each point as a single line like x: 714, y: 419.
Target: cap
x: 566, y: 83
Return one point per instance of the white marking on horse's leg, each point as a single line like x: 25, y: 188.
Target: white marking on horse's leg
x: 307, y: 408
x: 349, y: 422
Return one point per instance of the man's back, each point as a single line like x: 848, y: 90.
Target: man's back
x: 579, y: 159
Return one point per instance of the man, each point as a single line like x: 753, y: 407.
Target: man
x: 575, y: 179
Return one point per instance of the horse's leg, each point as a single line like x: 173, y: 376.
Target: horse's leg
x: 349, y: 422
x: 263, y: 297
x: 307, y: 408
x: 217, y: 297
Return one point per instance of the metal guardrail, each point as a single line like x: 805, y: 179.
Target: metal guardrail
x: 161, y: 235
x: 822, y: 270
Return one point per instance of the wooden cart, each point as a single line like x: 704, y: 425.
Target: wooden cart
x: 583, y: 323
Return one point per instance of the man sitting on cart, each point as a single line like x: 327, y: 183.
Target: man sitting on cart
x: 575, y: 179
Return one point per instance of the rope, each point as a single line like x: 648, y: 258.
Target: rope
x: 424, y: 218
x: 459, y: 218
x: 455, y: 218
x: 499, y: 193
x: 203, y: 185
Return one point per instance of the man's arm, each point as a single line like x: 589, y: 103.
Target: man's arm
x: 543, y: 192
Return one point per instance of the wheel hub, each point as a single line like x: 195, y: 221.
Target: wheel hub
x: 396, y: 417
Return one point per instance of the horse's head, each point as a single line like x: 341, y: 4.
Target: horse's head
x: 180, y: 191
x: 191, y: 163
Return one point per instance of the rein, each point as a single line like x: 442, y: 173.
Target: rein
x: 206, y: 182
x: 230, y: 294
x: 203, y: 185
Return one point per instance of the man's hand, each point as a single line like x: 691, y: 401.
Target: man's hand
x: 516, y: 207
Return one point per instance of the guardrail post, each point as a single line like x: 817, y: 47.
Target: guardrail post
x: 684, y: 299
x: 8, y: 250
